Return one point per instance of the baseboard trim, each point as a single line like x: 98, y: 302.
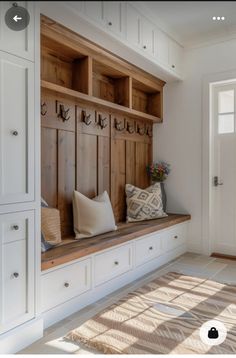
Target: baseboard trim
x: 21, y: 337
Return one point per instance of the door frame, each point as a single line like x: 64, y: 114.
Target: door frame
x: 208, y: 83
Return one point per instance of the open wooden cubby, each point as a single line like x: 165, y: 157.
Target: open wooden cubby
x: 64, y: 66
x: 110, y: 84
x: 146, y: 99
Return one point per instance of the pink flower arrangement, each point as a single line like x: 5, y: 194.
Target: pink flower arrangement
x: 159, y: 171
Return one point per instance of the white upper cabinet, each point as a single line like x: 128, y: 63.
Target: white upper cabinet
x: 175, y: 56
x: 114, y: 16
x: 94, y: 11
x: 161, y: 47
x: 147, y: 35
x: 133, y: 26
x: 16, y: 129
x: 20, y: 43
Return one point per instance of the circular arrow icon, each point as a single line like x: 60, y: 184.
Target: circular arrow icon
x: 17, y: 18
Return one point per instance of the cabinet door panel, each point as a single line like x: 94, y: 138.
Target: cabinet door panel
x: 20, y: 43
x: 114, y: 16
x: 147, y: 36
x: 94, y: 10
x: 17, y: 273
x: 175, y: 56
x: 133, y: 26
x: 161, y: 47
x: 16, y: 130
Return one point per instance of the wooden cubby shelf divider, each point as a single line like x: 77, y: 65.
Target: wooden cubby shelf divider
x: 74, y: 72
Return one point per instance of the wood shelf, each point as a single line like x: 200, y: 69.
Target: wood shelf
x: 113, y: 107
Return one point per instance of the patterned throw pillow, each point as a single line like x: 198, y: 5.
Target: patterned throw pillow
x: 51, y: 225
x: 144, y: 204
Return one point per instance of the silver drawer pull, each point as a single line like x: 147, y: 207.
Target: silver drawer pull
x: 15, y: 275
x: 15, y: 227
x: 66, y: 284
x: 15, y: 133
x: 150, y: 248
x: 116, y: 263
x: 176, y: 237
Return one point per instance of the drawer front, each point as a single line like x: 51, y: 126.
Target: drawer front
x: 112, y: 263
x: 17, y: 269
x: 147, y: 248
x: 16, y: 130
x: 61, y: 285
x: 174, y: 237
x: 13, y: 227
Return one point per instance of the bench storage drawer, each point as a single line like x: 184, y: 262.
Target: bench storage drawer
x: 174, y: 237
x: 147, y: 248
x: 65, y: 283
x: 112, y: 263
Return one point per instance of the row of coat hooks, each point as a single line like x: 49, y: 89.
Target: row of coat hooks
x: 133, y: 127
x: 102, y: 121
x: 120, y: 126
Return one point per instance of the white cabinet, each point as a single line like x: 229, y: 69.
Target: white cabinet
x: 62, y: 285
x: 114, y: 16
x: 16, y: 269
x: 20, y: 43
x: 148, y: 248
x: 147, y: 35
x: 175, y: 56
x: 161, y: 47
x: 94, y: 11
x: 16, y: 129
x: 174, y: 237
x: 112, y: 263
x: 133, y: 26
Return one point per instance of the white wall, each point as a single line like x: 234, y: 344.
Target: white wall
x: 179, y: 139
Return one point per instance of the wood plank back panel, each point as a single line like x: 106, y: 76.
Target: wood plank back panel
x: 87, y: 171
x: 66, y: 179
x: 49, y: 169
x: 103, y: 164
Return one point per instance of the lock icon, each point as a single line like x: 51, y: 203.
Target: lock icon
x: 213, y: 333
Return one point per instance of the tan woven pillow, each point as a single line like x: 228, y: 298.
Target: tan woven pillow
x: 51, y: 225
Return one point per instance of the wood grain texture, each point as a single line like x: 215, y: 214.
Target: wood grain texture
x: 118, y: 179
x: 66, y: 179
x: 126, y: 232
x: 130, y: 172
x: 81, y: 70
x: 141, y: 161
x: 49, y: 169
x: 87, y: 165
x: 103, y: 164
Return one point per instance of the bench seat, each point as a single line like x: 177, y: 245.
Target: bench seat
x: 74, y: 249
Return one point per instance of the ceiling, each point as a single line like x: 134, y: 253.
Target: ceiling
x: 190, y: 22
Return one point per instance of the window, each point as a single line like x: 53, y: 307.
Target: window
x: 226, y: 112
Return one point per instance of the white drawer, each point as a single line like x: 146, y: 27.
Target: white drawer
x: 174, y: 237
x: 112, y: 263
x: 14, y: 295
x: 147, y: 248
x: 14, y: 226
x: 65, y: 283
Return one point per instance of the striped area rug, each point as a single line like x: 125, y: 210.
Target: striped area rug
x: 163, y: 316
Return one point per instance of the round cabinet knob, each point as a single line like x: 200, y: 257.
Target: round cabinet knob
x: 15, y: 227
x: 150, y: 248
x: 173, y: 66
x: 110, y: 23
x: 176, y: 237
x: 15, y: 133
x: 116, y: 263
x: 15, y: 275
x: 144, y: 47
x: 66, y: 284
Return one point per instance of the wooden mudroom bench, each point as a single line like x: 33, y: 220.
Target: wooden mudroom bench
x: 75, y: 249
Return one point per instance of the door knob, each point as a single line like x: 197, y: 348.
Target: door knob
x: 15, y: 133
x: 15, y: 275
x: 216, y: 181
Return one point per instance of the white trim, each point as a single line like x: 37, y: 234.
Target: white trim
x: 208, y: 81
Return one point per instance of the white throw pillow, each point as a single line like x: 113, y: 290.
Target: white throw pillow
x: 92, y: 216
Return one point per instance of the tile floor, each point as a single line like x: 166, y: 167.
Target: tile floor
x: 190, y: 264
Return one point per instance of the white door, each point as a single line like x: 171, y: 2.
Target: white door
x: 147, y: 36
x: 133, y: 26
x: 223, y: 228
x: 16, y: 129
